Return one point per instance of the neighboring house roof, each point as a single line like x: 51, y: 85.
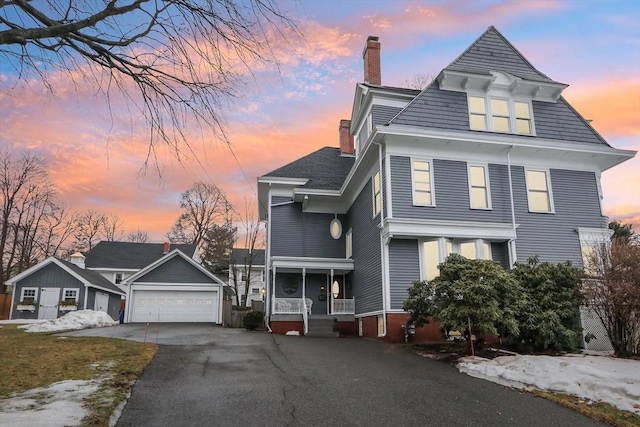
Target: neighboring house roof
x: 325, y: 169
x: 87, y: 277
x: 128, y: 255
x: 239, y: 255
x: 492, y: 52
x: 174, y: 253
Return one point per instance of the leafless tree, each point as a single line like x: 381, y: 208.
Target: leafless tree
x: 418, y: 81
x: 177, y: 62
x: 88, y: 228
x: 612, y: 289
x: 112, y: 228
x: 204, y: 205
x: 250, y: 233
x: 138, y: 236
x: 25, y: 195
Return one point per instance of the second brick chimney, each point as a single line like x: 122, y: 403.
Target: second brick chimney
x: 346, y: 139
x: 371, y: 55
x: 165, y: 249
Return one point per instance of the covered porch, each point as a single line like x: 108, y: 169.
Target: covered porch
x: 310, y: 286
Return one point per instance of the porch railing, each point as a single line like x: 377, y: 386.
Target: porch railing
x: 288, y: 306
x: 343, y: 306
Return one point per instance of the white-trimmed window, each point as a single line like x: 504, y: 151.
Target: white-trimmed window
x: 30, y: 294
x: 377, y: 194
x: 70, y: 295
x: 479, y: 193
x: 422, y: 180
x: 594, y: 245
x: 539, y: 192
x: 435, y: 251
x: 500, y: 115
x: 430, y: 259
x: 349, y: 244
x: 119, y: 278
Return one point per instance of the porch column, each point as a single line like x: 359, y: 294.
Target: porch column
x: 330, y: 292
x: 273, y: 290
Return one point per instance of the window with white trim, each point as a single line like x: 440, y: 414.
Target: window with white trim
x: 70, y: 295
x: 500, y: 115
x: 594, y: 244
x: 29, y: 295
x: 430, y: 259
x: 119, y: 277
x: 435, y: 251
x: 422, y: 180
x: 349, y: 244
x: 539, y: 191
x: 377, y: 194
x: 479, y: 195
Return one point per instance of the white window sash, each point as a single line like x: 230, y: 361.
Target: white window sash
x: 432, y: 186
x: 549, y: 192
x: 487, y: 185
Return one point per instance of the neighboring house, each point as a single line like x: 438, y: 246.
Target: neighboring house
x: 54, y: 287
x: 174, y: 288
x: 489, y: 161
x: 241, y: 260
x: 116, y: 261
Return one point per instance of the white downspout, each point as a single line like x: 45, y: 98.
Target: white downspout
x: 512, y: 242
x: 383, y: 274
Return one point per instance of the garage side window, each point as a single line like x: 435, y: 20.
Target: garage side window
x: 29, y: 295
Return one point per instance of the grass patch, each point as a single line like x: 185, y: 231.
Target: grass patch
x: 32, y: 360
x: 597, y: 410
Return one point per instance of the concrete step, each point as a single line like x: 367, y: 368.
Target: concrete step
x: 322, y: 328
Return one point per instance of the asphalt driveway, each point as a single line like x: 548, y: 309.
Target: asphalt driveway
x: 209, y: 376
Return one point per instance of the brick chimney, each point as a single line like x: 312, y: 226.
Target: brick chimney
x: 371, y: 55
x: 166, y: 248
x: 346, y: 139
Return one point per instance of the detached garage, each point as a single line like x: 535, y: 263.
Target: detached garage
x: 175, y: 288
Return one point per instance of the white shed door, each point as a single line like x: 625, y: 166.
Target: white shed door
x: 174, y: 306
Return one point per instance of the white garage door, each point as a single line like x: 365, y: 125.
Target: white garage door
x: 174, y: 306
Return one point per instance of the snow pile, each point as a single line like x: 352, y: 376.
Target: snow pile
x: 80, y: 319
x: 613, y: 381
x: 59, y: 404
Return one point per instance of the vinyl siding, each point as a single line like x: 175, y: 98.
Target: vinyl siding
x: 113, y: 308
x: 382, y: 113
x: 175, y: 270
x: 553, y: 237
x: 404, y: 269
x: 451, y: 191
x: 367, y: 274
x: 302, y: 234
x: 279, y: 199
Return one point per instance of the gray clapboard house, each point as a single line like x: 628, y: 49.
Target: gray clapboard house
x: 489, y: 161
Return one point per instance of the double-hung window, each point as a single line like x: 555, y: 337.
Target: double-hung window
x: 436, y: 250
x: 479, y: 194
x: 29, y: 295
x: 500, y: 115
x: 70, y: 295
x: 539, y: 191
x: 348, y: 238
x: 377, y: 194
x: 422, y: 174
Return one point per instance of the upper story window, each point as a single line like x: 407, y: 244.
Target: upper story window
x: 500, y: 115
x: 349, y: 244
x: 119, y: 277
x: 479, y: 194
x: 539, y: 191
x: 422, y: 180
x: 377, y: 194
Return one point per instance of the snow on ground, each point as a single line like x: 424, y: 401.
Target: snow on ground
x: 614, y: 381
x: 59, y: 404
x: 80, y: 319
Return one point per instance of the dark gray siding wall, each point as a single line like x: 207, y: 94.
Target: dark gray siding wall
x: 554, y: 237
x: 500, y: 253
x: 452, y: 193
x: 367, y: 274
x: 437, y: 109
x: 50, y: 276
x: 113, y: 309
x: 559, y: 121
x: 382, y: 113
x: 176, y: 270
x: 279, y: 199
x: 302, y: 234
x: 404, y: 269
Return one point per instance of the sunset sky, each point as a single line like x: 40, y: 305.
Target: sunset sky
x: 94, y: 157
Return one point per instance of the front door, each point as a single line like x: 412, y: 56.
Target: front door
x: 101, y: 302
x: 49, y: 299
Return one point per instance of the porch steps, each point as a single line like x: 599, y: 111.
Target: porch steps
x: 322, y: 327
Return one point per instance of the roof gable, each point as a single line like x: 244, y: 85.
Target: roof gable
x: 168, y: 259
x: 324, y: 169
x: 128, y: 255
x: 492, y: 52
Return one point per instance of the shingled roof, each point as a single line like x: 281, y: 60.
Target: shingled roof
x: 325, y: 169
x: 93, y: 277
x: 492, y: 52
x: 239, y: 255
x: 128, y: 255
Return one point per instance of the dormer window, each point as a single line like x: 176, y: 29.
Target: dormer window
x: 500, y: 115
